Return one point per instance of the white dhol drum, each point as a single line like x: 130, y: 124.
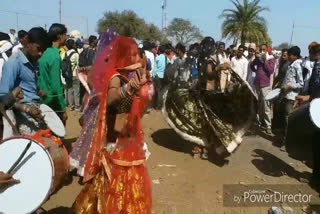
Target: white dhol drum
x: 37, y: 173
x: 53, y: 121
x: 306, y: 119
x: 274, y: 94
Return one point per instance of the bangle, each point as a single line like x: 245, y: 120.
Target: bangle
x: 123, y: 91
x: 130, y: 90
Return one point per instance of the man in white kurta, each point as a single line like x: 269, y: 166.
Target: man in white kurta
x: 239, y: 63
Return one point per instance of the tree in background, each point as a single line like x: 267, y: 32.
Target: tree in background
x: 245, y: 23
x: 183, y: 31
x: 127, y: 23
x: 283, y: 45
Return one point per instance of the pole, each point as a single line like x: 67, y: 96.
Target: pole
x: 165, y: 14
x: 292, y: 34
x: 60, y: 16
x: 162, y: 7
x: 87, y: 22
x: 17, y: 15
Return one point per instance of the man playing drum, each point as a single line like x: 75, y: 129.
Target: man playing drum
x: 314, y: 92
x: 20, y: 70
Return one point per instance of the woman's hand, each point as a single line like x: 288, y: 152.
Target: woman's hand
x: 144, y: 76
x: 140, y: 78
x: 136, y: 81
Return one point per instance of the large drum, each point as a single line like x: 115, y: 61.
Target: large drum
x: 53, y: 121
x: 41, y: 172
x: 306, y: 119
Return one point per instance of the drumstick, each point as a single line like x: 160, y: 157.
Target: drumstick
x: 20, y: 158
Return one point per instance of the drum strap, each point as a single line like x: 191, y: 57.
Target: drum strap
x: 4, y: 114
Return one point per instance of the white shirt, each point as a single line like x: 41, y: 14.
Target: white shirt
x: 294, y: 78
x: 13, y: 38
x: 80, y: 50
x: 223, y: 58
x: 150, y: 56
x: 251, y: 76
x: 2, y: 61
x: 16, y: 48
x: 74, y: 61
x: 240, y: 66
x: 307, y: 64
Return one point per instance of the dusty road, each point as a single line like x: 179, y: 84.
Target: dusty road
x: 192, y: 186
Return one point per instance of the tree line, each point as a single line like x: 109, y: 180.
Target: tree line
x: 243, y: 23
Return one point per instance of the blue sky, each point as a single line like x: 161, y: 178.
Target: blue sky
x: 203, y: 13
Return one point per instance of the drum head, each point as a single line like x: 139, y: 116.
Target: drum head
x: 35, y: 173
x: 315, y: 112
x: 53, y: 121
x: 273, y: 94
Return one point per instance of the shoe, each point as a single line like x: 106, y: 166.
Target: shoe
x: 268, y: 131
x: 77, y: 109
x: 283, y: 148
x: 204, y: 154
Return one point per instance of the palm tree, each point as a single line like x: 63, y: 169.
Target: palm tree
x: 245, y: 23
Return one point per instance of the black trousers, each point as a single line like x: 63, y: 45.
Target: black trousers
x: 316, y: 155
x: 159, y: 85
x: 284, y: 108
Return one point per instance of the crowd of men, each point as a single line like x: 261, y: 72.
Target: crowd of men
x: 51, y: 68
x: 46, y: 65
x: 297, y: 78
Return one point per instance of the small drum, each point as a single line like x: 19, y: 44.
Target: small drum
x: 306, y: 118
x: 53, y: 121
x: 41, y: 172
x: 272, y: 95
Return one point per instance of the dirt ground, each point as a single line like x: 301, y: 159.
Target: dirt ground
x: 184, y: 185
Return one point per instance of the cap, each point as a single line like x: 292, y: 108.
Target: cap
x: 79, y: 42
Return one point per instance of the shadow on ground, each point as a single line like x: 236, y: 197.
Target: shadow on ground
x: 273, y: 166
x: 169, y: 139
x: 254, y: 131
x: 299, y: 147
